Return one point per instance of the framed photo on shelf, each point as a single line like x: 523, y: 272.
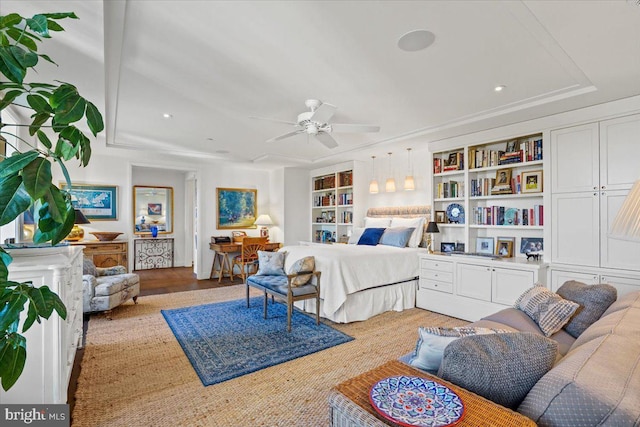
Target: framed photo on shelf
x: 452, y: 160
x: 531, y: 182
x: 459, y: 247
x: 504, y: 248
x: 441, y: 217
x: 447, y: 247
x: 531, y: 245
x: 503, y: 178
x: 485, y: 245
x: 512, y: 146
x: 96, y: 202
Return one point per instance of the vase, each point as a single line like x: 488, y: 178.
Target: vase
x: 154, y: 231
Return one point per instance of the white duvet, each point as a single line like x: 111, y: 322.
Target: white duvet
x: 347, y: 269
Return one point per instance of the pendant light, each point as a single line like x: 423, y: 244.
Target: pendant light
x: 409, y: 184
x: 373, y: 185
x: 390, y: 184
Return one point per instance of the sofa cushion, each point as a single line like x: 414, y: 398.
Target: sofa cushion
x: 593, y: 299
x: 432, y: 342
x: 550, y: 311
x: 307, y: 263
x: 271, y: 263
x: 628, y: 300
x: 623, y: 323
x: 597, y: 383
x: 88, y: 267
x: 500, y: 367
x: 109, y: 285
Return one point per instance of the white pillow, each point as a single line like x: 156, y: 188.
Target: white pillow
x: 355, y: 235
x: 376, y: 222
x: 417, y: 223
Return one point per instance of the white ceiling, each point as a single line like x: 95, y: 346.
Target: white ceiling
x: 215, y: 64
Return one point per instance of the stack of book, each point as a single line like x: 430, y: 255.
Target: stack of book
x: 502, y: 215
x: 445, y: 190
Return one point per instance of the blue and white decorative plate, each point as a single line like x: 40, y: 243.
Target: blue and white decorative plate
x: 455, y: 213
x: 415, y: 401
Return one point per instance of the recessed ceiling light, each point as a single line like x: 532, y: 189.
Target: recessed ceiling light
x: 499, y: 88
x: 416, y: 40
x: 167, y: 115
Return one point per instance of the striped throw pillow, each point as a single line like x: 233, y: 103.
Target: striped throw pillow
x: 548, y: 309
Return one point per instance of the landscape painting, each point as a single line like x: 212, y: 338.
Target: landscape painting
x: 237, y: 208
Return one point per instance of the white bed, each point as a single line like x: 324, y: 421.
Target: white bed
x: 359, y: 281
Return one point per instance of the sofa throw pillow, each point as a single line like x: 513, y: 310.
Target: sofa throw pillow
x: 500, y: 367
x: 307, y: 263
x: 371, y: 236
x: 356, y: 233
x: 549, y: 310
x: 88, y: 267
x: 271, y: 263
x: 594, y: 300
x: 416, y: 223
x: 432, y: 342
x: 396, y: 236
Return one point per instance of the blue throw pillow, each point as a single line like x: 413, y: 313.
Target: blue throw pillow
x: 371, y: 236
x: 397, y: 236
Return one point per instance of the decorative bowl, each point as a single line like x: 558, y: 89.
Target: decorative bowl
x: 106, y: 236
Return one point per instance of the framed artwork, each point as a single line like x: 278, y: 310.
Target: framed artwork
x: 531, y: 182
x: 512, y: 146
x: 440, y: 217
x: 237, y: 207
x: 485, y: 245
x: 459, y: 247
x: 531, y: 245
x: 96, y: 202
x: 154, y: 209
x: 503, y: 177
x: 504, y: 248
x: 447, y: 247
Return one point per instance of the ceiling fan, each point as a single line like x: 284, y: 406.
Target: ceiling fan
x: 316, y: 123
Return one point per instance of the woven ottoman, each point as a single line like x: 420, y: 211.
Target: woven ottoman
x: 350, y: 407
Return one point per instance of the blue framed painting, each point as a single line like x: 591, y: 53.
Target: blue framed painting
x: 237, y: 207
x: 97, y: 202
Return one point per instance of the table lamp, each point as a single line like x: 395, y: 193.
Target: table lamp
x: 263, y: 221
x: 77, y: 233
x: 432, y: 227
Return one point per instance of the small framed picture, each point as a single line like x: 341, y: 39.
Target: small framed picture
x: 485, y: 245
x: 446, y: 247
x: 441, y: 217
x: 503, y: 178
x: 531, y: 245
x: 459, y: 247
x: 504, y: 248
x: 531, y: 182
x: 512, y: 146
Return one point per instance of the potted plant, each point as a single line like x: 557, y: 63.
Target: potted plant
x: 25, y: 176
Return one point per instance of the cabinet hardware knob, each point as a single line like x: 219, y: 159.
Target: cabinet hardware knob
x: 604, y: 187
x: 595, y: 194
x: 595, y: 188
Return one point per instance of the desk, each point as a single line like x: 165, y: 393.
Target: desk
x: 221, y: 255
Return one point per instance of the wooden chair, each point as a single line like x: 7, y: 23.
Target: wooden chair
x: 248, y: 258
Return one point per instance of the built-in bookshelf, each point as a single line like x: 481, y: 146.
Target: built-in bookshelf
x: 332, y: 206
x: 490, y: 190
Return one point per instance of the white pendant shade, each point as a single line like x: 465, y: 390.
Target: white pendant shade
x: 373, y: 187
x: 390, y: 185
x: 409, y: 184
x: 626, y: 225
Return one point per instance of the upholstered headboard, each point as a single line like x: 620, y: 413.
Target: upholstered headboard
x: 401, y: 211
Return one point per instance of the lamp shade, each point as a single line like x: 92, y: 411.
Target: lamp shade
x: 626, y: 225
x: 80, y: 218
x: 390, y: 185
x: 432, y: 227
x: 409, y: 184
x: 373, y: 187
x: 263, y: 220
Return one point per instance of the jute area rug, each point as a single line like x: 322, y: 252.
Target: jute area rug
x: 134, y: 372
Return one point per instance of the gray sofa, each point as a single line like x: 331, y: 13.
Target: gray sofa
x: 596, y: 377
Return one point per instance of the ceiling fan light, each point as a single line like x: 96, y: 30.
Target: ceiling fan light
x: 373, y: 187
x: 409, y: 184
x: 390, y: 185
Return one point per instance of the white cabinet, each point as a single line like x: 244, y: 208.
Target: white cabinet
x: 471, y: 287
x: 593, y: 168
x: 52, y: 344
x: 624, y: 283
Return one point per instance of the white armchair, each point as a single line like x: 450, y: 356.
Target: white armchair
x: 106, y: 288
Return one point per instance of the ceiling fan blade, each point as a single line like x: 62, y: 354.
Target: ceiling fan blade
x: 352, y: 128
x: 273, y: 120
x: 326, y: 139
x: 286, y: 135
x: 323, y: 113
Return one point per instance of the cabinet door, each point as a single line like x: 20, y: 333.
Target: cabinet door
x: 575, y: 228
x: 575, y: 159
x: 473, y: 281
x: 624, y: 285
x: 615, y: 253
x: 619, y: 152
x: 509, y: 284
x: 558, y: 277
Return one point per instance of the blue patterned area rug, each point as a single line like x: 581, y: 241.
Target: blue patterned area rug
x: 226, y: 340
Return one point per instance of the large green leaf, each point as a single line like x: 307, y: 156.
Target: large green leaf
x: 54, y: 26
x: 46, y: 223
x: 61, y: 15
x: 71, y: 110
x: 57, y: 205
x: 14, y: 198
x: 11, y: 67
x: 52, y: 301
x: 66, y: 149
x: 4, y: 272
x: 38, y: 121
x: 11, y: 311
x: 14, y: 164
x: 39, y: 104
x: 13, y: 354
x: 63, y: 92
x: 39, y: 24
x: 94, y: 119
x: 85, y: 146
x: 37, y: 177
x: 32, y: 316
x: 44, y: 139
x: 24, y: 38
x: 24, y: 57
x: 9, y: 97
x: 10, y: 20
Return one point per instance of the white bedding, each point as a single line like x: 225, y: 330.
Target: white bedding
x: 347, y: 269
